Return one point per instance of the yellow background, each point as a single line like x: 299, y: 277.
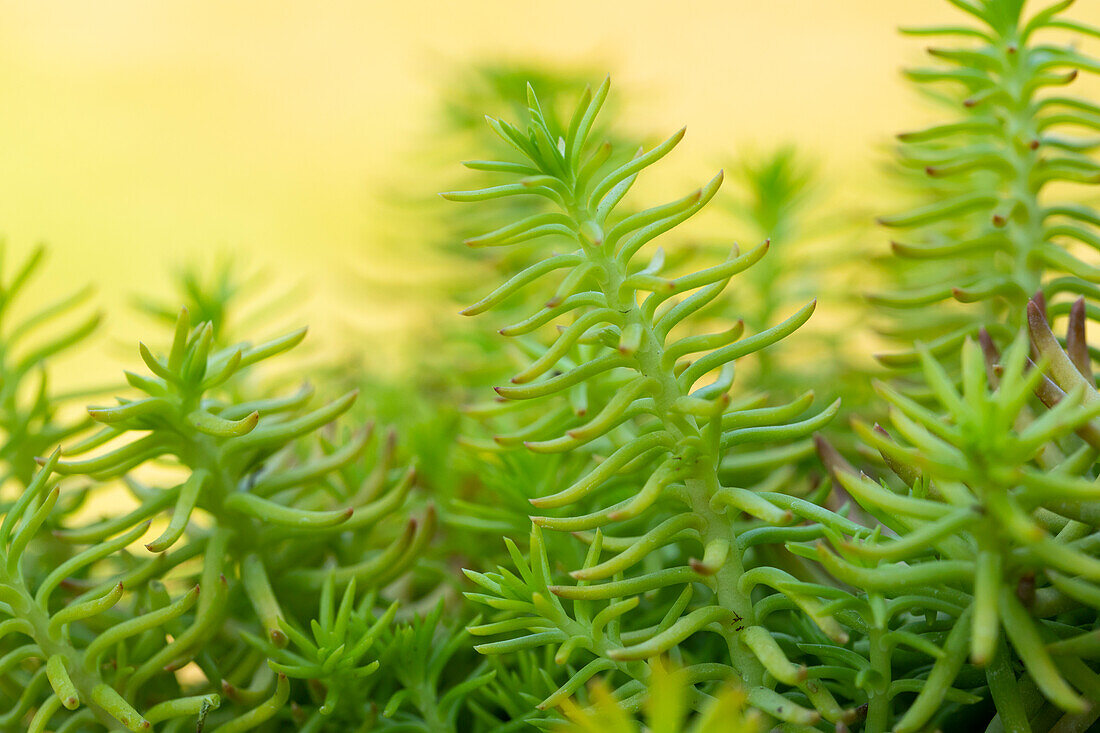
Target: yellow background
x: 141, y: 135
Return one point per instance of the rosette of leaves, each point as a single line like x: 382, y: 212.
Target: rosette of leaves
x: 660, y: 504
x: 991, y: 537
x: 259, y: 520
x: 992, y: 230
x: 334, y: 656
x: 427, y: 678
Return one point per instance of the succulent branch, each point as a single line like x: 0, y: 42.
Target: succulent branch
x: 252, y: 474
x: 667, y: 424
x: 991, y: 229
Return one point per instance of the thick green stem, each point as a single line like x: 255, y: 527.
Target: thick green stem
x: 52, y: 644
x: 701, y: 470
x: 1024, y: 229
x: 879, y: 710
x: 717, y: 526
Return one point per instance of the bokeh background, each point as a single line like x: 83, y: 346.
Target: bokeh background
x: 140, y: 137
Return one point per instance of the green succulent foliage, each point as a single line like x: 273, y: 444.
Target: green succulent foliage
x: 521, y: 681
x: 270, y: 569
x: 483, y: 85
x: 991, y: 534
x: 482, y: 486
x: 29, y: 420
x: 429, y: 398
x: 332, y: 654
x: 669, y: 709
x: 991, y: 231
x: 269, y: 515
x: 814, y: 251
x: 34, y: 416
x: 663, y: 434
x: 427, y: 679
x: 779, y: 188
x: 52, y: 668
x: 237, y: 301
x: 571, y: 620
x: 216, y: 294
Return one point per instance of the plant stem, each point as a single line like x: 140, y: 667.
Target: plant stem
x: 25, y: 607
x: 878, y: 701
x: 1025, y: 225
x: 701, y: 469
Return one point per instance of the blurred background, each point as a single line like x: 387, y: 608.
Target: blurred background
x: 307, y: 138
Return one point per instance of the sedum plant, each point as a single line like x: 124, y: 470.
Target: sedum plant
x: 258, y: 586
x: 993, y: 226
x: 660, y: 519
x: 682, y: 548
x: 992, y: 520
x: 962, y: 580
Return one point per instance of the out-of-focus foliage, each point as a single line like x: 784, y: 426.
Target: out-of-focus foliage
x: 994, y: 224
x: 641, y: 529
x: 29, y: 411
x: 252, y: 506
x: 667, y: 710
